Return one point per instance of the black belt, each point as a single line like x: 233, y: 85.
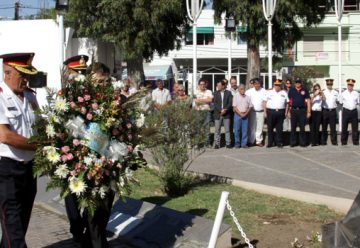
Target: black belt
x: 276, y: 110
x: 350, y: 110
x: 259, y: 111
x: 297, y: 108
x: 325, y: 109
x: 14, y: 161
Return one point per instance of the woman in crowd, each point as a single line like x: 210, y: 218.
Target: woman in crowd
x: 181, y: 93
x: 316, y: 102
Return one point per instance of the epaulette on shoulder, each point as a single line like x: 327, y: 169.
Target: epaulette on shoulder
x: 30, y: 90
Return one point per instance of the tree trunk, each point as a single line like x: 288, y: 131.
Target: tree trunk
x: 135, y: 70
x: 253, y: 66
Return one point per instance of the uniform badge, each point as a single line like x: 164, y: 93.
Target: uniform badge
x: 302, y: 92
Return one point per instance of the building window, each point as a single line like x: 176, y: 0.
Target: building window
x: 351, y: 5
x: 313, y: 45
x: 241, y: 38
x: 204, y: 35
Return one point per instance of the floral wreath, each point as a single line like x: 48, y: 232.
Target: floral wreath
x: 88, y: 140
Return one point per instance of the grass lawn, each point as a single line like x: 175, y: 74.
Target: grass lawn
x: 257, y: 213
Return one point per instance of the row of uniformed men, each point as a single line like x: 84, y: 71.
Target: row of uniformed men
x: 299, y: 106
x: 17, y: 184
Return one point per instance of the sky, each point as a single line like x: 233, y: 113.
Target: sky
x: 27, y: 7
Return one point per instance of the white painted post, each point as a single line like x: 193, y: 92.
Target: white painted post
x: 229, y: 57
x: 269, y: 10
x: 339, y: 9
x: 218, y: 219
x: 61, y: 39
x: 193, y: 14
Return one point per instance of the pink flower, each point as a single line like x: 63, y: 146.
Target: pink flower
x: 83, y: 110
x: 89, y: 176
x: 87, y: 97
x: 129, y: 125
x: 73, y: 173
x: 76, y: 142
x: 64, y: 158
x: 80, y: 99
x: 78, y: 166
x: 70, y: 156
x: 95, y: 106
x: 65, y: 149
x: 130, y: 148
x: 89, y: 116
x: 72, y: 104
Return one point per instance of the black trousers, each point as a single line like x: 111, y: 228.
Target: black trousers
x: 329, y: 118
x: 89, y: 230
x: 275, y: 120
x: 298, y: 118
x: 315, y: 127
x: 350, y: 116
x: 17, y: 194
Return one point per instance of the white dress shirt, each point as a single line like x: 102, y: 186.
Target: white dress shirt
x: 19, y: 116
x: 316, y: 103
x: 350, y: 100
x: 331, y: 97
x: 276, y: 99
x: 257, y: 98
x: 161, y: 96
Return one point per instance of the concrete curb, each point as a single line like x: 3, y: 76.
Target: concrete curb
x: 341, y: 205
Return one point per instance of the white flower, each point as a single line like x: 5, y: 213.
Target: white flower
x: 94, y: 191
x: 61, y: 105
x: 129, y: 173
x: 80, y: 78
x: 77, y: 186
x: 51, y: 154
x: 121, y: 182
x: 140, y: 121
x: 50, y: 131
x: 88, y: 160
x: 62, y: 171
x: 54, y: 118
x: 118, y: 84
x: 102, y: 191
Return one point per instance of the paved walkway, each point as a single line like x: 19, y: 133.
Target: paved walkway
x: 329, y: 172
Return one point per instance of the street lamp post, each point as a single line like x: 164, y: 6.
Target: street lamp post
x: 230, y: 27
x: 339, y: 9
x: 269, y: 10
x: 61, y: 7
x: 194, y: 13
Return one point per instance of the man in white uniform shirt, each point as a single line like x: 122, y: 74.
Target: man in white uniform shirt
x: 17, y: 183
x: 276, y: 109
x: 350, y: 100
x: 160, y: 95
x: 329, y: 99
x: 257, y: 96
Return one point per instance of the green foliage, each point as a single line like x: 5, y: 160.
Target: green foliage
x: 180, y: 131
x: 137, y: 27
x: 307, y: 75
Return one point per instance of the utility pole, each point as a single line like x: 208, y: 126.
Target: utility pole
x: 17, y: 8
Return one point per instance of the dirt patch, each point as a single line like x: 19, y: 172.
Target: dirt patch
x: 280, y: 232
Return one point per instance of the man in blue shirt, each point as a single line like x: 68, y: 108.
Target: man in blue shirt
x: 300, y: 110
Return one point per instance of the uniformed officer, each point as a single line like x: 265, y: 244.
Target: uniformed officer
x: 17, y: 183
x: 329, y: 97
x: 276, y: 108
x: 74, y: 66
x: 299, y: 100
x: 350, y: 100
x: 88, y: 230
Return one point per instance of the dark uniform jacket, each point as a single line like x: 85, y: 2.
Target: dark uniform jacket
x: 227, y: 104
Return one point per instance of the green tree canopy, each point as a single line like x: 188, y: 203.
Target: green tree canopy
x: 139, y: 28
x: 286, y: 24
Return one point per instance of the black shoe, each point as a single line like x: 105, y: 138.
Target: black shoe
x: 334, y: 144
x: 280, y: 146
x: 303, y: 145
x: 292, y: 145
x: 356, y: 144
x: 269, y: 146
x: 312, y: 145
x: 216, y: 147
x: 343, y: 144
x: 229, y: 147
